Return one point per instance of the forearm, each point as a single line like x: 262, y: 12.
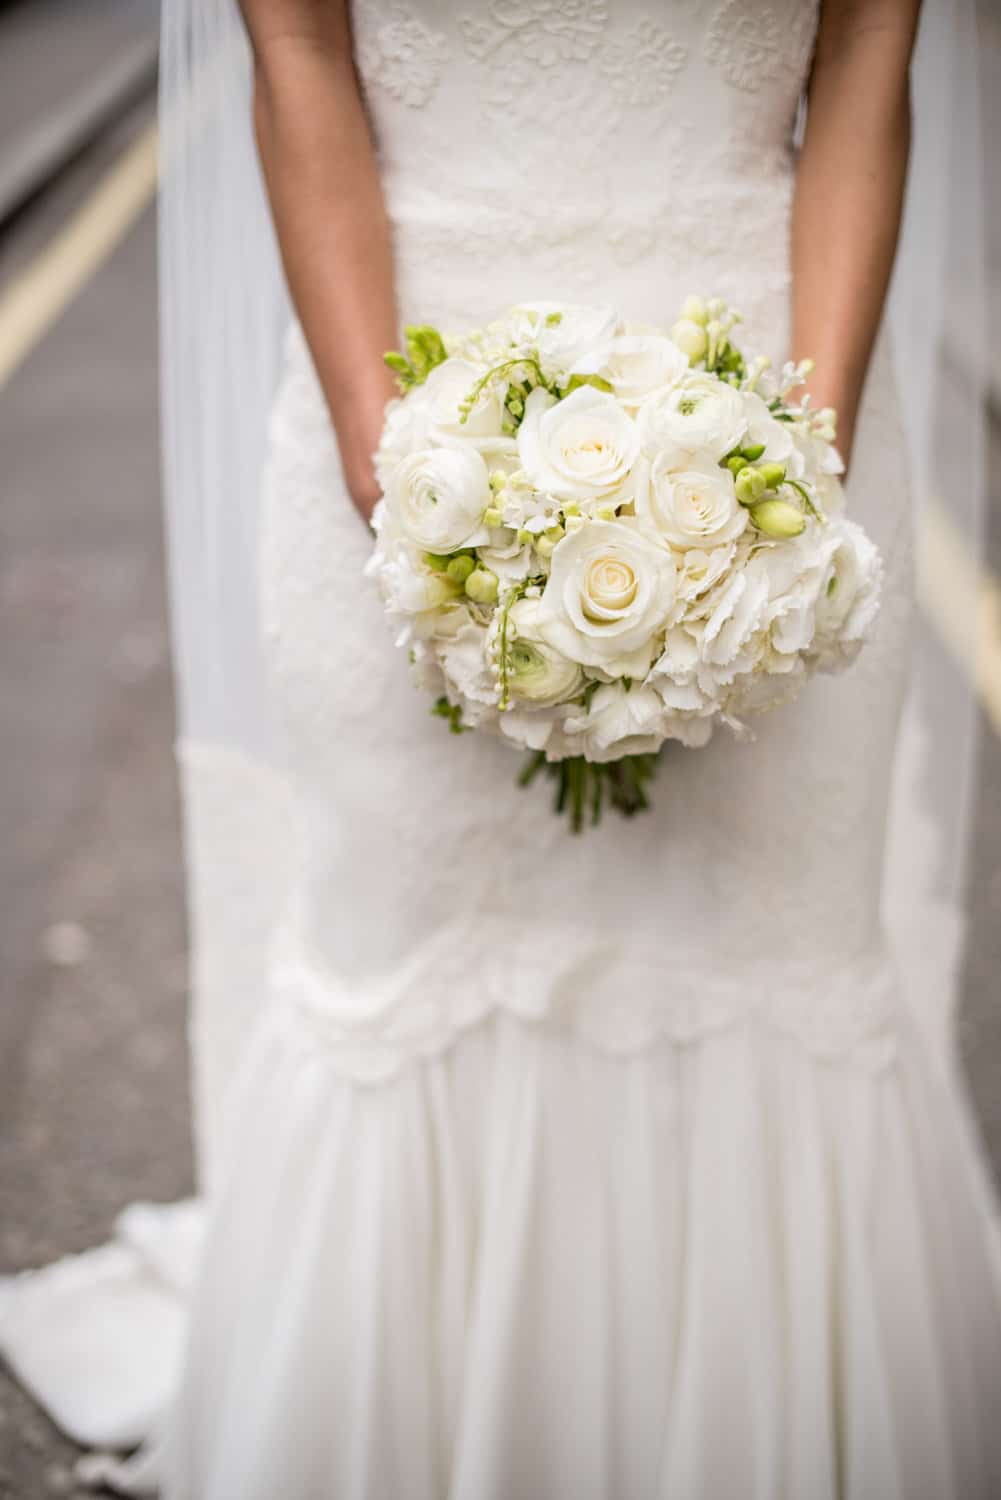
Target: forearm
x: 323, y: 183
x: 849, y: 194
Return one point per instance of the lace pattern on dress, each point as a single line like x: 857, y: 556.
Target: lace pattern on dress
x: 616, y: 998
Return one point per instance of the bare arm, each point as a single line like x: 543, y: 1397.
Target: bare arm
x: 323, y: 182
x: 849, y: 193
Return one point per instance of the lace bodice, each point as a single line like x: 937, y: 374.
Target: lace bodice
x: 559, y: 148
x: 547, y: 144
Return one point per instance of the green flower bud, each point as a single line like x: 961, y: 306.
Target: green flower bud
x: 545, y: 545
x: 555, y: 533
x: 735, y: 464
x: 525, y: 538
x: 778, y: 518
x: 437, y: 560
x: 694, y: 311
x: 492, y: 517
x: 606, y: 513
x: 753, y: 451
x: 690, y: 338
x: 773, y: 475
x: 750, y: 485
x: 460, y: 568
x: 498, y: 479
x: 481, y: 586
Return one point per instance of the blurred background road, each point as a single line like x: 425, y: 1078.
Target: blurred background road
x: 93, y: 1104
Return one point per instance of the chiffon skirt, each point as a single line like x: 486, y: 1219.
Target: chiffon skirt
x: 524, y: 1268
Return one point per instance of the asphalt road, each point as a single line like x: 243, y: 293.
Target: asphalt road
x: 93, y: 1088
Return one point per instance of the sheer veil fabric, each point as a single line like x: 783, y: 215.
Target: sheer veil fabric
x: 224, y: 320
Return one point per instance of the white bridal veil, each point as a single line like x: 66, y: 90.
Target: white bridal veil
x: 223, y: 310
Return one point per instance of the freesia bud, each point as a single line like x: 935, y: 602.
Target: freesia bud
x: 735, y: 463
x: 750, y: 485
x: 753, y: 451
x: 524, y: 537
x: 493, y: 517
x: 690, y: 338
x: 773, y: 475
x: 460, y: 568
x: 439, y: 561
x: 778, y: 518
x: 481, y: 586
x: 694, y: 310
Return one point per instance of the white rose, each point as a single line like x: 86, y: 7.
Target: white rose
x: 536, y: 672
x: 698, y: 415
x: 609, y: 591
x: 446, y: 387
x: 620, y: 721
x: 693, y: 508
x: 437, y: 496
x: 642, y: 366
x: 581, y: 449
x: 570, y: 339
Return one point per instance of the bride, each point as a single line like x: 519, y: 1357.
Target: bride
x: 503, y: 1207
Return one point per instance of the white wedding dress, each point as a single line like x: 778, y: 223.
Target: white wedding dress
x: 605, y: 1168
x: 609, y: 1168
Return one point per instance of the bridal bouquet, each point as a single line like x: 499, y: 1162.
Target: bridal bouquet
x: 596, y: 538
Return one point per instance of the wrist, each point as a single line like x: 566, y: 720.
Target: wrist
x: 358, y: 424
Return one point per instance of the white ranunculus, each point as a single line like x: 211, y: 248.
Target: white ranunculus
x: 446, y: 387
x: 536, y: 672
x: 437, y: 496
x: 848, y: 600
x: 620, y: 721
x: 570, y: 339
x: 691, y: 508
x: 609, y: 592
x: 580, y: 449
x: 644, y: 365
x: 698, y: 415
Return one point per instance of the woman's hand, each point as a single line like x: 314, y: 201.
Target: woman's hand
x: 849, y: 194
x: 358, y: 437
x: 326, y: 197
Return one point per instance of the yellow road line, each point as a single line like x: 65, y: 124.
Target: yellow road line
x: 36, y: 298
x: 947, y: 573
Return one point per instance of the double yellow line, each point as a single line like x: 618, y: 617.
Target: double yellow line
x: 36, y: 299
